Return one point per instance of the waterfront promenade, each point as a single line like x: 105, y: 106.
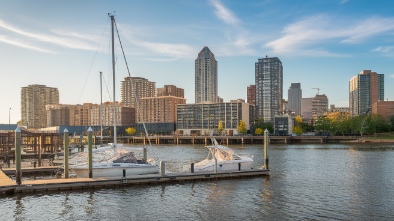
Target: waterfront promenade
x: 226, y: 140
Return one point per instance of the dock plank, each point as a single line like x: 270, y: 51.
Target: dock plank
x: 5, y: 180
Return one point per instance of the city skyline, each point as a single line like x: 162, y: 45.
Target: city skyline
x: 322, y: 44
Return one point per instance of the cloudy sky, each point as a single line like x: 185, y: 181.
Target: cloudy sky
x: 65, y: 44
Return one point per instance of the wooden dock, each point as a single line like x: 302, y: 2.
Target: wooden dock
x: 32, y: 186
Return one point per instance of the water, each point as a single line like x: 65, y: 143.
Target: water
x: 307, y: 182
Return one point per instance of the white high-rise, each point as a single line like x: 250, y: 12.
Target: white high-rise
x: 206, y: 77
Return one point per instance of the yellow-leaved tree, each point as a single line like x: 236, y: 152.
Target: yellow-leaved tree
x: 297, y: 129
x: 220, y: 127
x: 242, y: 127
x: 130, y: 130
x: 258, y: 131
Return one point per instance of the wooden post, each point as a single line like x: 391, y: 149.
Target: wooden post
x: 90, y: 152
x: 162, y: 168
x: 192, y: 167
x: 265, y: 149
x: 145, y: 154
x: 65, y: 143
x: 42, y: 141
x: 18, y: 157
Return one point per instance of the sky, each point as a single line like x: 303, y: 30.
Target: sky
x: 65, y: 44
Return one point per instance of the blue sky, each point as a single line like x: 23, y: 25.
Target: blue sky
x: 65, y: 44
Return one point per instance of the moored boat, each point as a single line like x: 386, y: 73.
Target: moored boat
x: 223, y: 157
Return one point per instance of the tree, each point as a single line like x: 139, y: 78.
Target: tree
x: 220, y: 127
x: 130, y: 130
x: 323, y: 124
x: 242, y: 127
x: 260, y: 124
x: 258, y: 131
x: 297, y: 129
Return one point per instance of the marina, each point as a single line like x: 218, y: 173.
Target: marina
x: 305, y: 182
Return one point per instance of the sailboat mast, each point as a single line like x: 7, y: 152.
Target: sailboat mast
x: 101, y: 108
x: 113, y: 71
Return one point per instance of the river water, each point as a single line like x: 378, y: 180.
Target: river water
x: 307, y: 182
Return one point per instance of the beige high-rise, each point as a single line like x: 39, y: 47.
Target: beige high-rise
x: 33, y: 100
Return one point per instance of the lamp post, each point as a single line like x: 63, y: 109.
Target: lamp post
x: 9, y: 116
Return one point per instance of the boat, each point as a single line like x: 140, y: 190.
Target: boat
x: 112, y: 160
x: 223, y: 157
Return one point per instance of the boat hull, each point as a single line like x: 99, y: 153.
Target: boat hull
x: 115, y: 170
x: 233, y: 165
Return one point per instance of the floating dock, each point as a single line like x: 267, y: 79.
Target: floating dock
x: 8, y: 186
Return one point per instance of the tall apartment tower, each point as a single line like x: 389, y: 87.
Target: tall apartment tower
x: 294, y: 98
x: 365, y: 89
x: 206, y: 77
x: 251, y: 94
x: 135, y: 88
x: 33, y: 100
x: 269, y: 88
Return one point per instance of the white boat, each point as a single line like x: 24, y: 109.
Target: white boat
x: 224, y: 158
x: 112, y: 160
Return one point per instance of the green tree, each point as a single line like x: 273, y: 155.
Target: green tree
x: 242, y: 127
x: 130, y: 130
x: 323, y: 124
x: 260, y: 124
x: 258, y: 131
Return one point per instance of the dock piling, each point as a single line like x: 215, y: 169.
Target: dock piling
x: 90, y: 152
x: 18, y: 156
x: 265, y: 149
x: 65, y: 143
x: 162, y: 168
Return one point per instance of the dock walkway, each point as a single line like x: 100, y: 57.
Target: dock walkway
x: 31, y: 186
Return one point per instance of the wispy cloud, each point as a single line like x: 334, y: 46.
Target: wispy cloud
x: 391, y: 76
x: 23, y: 45
x: 383, y: 49
x: 176, y: 50
x: 224, y: 13
x: 343, y: 2
x: 316, y: 31
x: 75, y: 41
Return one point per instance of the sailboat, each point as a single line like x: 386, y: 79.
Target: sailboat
x: 112, y: 160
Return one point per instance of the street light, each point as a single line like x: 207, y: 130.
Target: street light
x: 9, y: 116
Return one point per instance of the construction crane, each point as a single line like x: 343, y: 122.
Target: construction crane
x: 318, y: 89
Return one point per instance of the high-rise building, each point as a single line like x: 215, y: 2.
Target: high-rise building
x: 365, y: 89
x: 294, y: 98
x: 206, y: 77
x: 269, y: 88
x: 170, y: 90
x: 33, y: 100
x: 319, y: 105
x: 251, y: 94
x: 135, y: 88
